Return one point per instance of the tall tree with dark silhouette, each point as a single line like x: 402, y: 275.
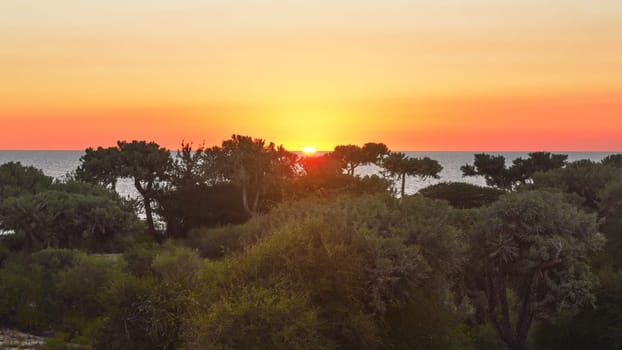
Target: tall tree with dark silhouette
x: 497, y: 174
x: 147, y: 164
x: 529, y: 260
x: 100, y: 166
x: 251, y: 164
x: 352, y: 156
x: 398, y: 165
x: 17, y: 179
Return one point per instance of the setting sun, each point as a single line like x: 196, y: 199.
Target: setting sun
x: 309, y: 150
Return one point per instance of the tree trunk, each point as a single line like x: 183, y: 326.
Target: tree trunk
x: 245, y: 201
x: 256, y: 201
x: 148, y: 210
x: 403, y: 184
x: 149, y: 215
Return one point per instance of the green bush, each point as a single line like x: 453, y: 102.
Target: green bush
x: 255, y: 318
x: 348, y: 260
x: 462, y: 195
x: 144, y: 314
x: 139, y: 258
x: 150, y: 312
x: 215, y: 243
x: 69, y: 220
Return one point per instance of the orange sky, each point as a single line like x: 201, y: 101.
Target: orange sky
x: 443, y: 75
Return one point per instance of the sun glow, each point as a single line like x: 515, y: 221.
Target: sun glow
x: 309, y: 150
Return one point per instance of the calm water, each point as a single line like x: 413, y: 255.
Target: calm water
x: 58, y: 163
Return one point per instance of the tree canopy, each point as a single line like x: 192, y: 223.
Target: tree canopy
x: 493, y: 168
x: 398, y: 165
x: 530, y: 260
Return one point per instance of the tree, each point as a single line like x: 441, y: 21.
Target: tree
x: 100, y: 166
x: 398, y: 165
x: 147, y: 164
x: 16, y: 179
x: 352, y: 156
x: 494, y: 170
x: 373, y: 152
x: 529, y: 260
x: 583, y: 177
x: 614, y: 160
x: 190, y: 200
x: 523, y: 169
x: 462, y: 195
x: 59, y: 219
x: 188, y: 169
x: 252, y: 165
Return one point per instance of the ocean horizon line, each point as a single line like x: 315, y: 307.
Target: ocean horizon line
x: 396, y: 150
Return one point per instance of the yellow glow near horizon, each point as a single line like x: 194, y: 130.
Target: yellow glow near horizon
x: 309, y: 150
x: 436, y: 75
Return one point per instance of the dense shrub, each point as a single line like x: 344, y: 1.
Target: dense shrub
x: 346, y: 261
x: 462, y: 195
x: 595, y: 327
x: 56, y: 289
x: 584, y: 178
x: 257, y: 318
x: 150, y: 312
x: 215, y: 243
x: 16, y: 179
x: 70, y: 220
x: 191, y: 207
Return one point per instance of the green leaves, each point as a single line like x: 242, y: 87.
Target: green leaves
x: 16, y: 179
x: 535, y: 247
x: 494, y: 170
x: 69, y: 220
x: 398, y: 165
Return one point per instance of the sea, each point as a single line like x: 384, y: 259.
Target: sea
x: 60, y: 163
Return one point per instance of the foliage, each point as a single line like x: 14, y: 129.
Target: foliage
x: 585, y: 178
x: 16, y: 179
x: 146, y: 163
x: 493, y: 168
x: 150, y: 312
x: 346, y: 262
x: 69, y: 220
x: 100, y: 166
x: 398, y: 165
x: 614, y: 160
x: 426, y: 322
x: 462, y: 195
x: 56, y: 289
x: 350, y: 157
x: 257, y: 318
x: 254, y: 166
x: 529, y: 261
x: 594, y: 327
x: 193, y: 206
x: 215, y: 243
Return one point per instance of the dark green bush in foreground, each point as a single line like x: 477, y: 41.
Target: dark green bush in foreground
x: 462, y: 195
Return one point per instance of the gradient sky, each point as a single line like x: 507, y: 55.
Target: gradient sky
x: 417, y: 75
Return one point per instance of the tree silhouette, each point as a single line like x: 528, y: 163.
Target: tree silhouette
x: 147, y: 164
x: 529, y: 260
x: 100, y: 166
x: 252, y: 165
x: 494, y: 170
x: 398, y: 165
x: 352, y: 156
